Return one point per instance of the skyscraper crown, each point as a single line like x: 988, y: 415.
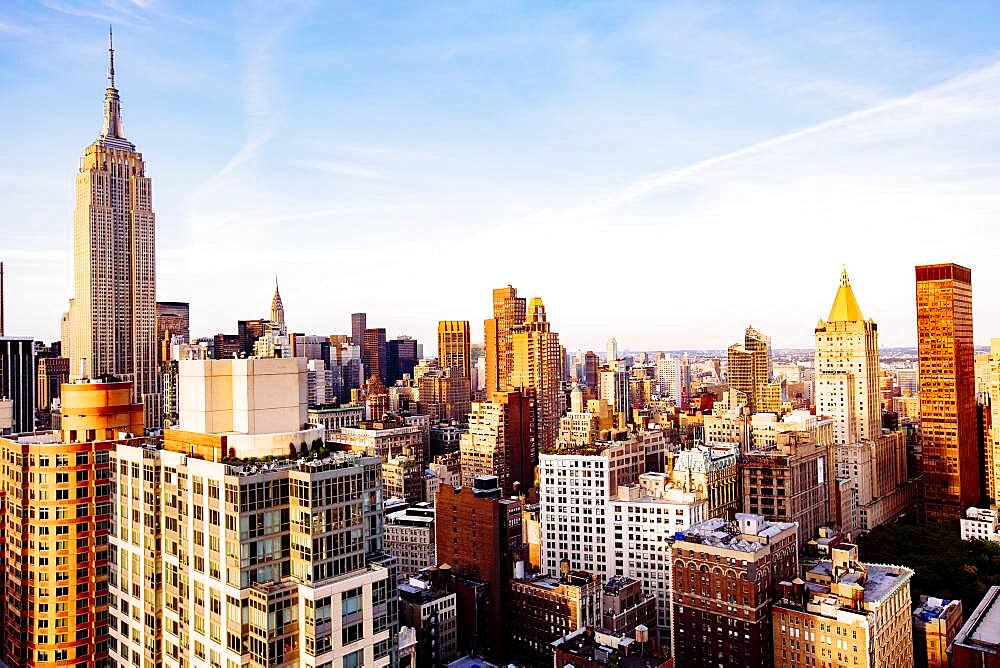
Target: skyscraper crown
x: 113, y: 131
x: 845, y: 306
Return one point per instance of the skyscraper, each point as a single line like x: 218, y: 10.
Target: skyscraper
x: 947, y: 390
x: 114, y: 256
x: 402, y: 357
x: 454, y: 347
x: 847, y: 369
x: 359, y: 323
x: 17, y: 380
x: 375, y: 354
x: 508, y: 311
x: 612, y: 351
x: 750, y: 367
x: 537, y: 366
x: 501, y: 441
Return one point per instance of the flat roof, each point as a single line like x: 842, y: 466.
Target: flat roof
x: 982, y: 630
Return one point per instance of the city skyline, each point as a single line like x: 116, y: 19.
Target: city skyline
x: 853, y: 151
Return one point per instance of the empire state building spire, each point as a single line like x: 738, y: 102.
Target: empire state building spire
x: 113, y: 132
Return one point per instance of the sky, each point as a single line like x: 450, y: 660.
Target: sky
x: 666, y: 173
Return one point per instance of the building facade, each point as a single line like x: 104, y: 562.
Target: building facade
x: 846, y: 613
x: 57, y: 514
x: 947, y: 391
x: 409, y: 537
x: 17, y: 381
x: 936, y: 622
x: 724, y: 576
x: 454, y: 352
x: 537, y: 366
x: 509, y: 311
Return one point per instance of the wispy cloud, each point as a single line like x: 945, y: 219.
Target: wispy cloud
x: 107, y: 11
x: 339, y: 168
x: 11, y: 28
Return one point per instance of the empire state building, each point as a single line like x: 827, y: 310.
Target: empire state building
x: 113, y: 310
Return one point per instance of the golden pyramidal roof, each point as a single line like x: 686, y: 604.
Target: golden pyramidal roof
x: 845, y: 306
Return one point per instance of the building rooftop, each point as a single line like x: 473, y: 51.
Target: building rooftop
x: 420, y: 514
x: 749, y: 533
x: 878, y: 580
x: 931, y: 607
x: 335, y: 460
x: 605, y: 649
x: 618, y: 582
x: 416, y: 590
x: 981, y: 631
x: 471, y: 662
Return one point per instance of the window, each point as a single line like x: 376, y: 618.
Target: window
x: 354, y: 659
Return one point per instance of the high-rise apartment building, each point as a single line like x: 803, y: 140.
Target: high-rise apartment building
x: 576, y: 486
x: 17, y: 381
x: 375, y: 354
x: 750, y: 367
x: 645, y: 520
x: 479, y: 537
x: 57, y: 514
x: 113, y: 311
x: 501, y: 441
x: 538, y: 367
x: 847, y: 369
x: 724, y: 576
x: 442, y: 393
x: 846, y: 613
x: 221, y: 559
x: 509, y: 310
x: 947, y: 391
x: 359, y: 323
x: 454, y: 347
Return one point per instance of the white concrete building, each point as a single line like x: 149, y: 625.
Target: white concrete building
x: 576, y: 487
x: 259, y: 405
x: 981, y: 524
x: 668, y: 377
x: 645, y: 518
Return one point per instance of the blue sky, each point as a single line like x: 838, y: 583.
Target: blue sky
x: 664, y: 173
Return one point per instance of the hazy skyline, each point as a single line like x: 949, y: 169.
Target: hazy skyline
x: 667, y: 175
